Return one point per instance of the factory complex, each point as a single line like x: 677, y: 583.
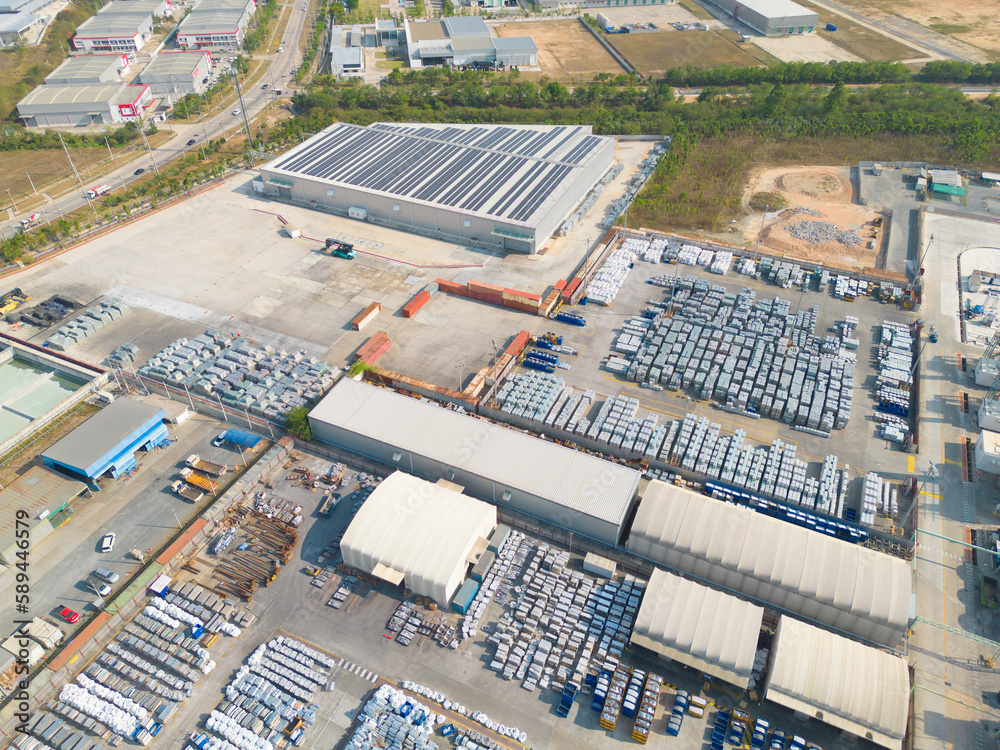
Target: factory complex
x: 455, y: 460
x: 464, y: 41
x: 771, y: 17
x: 509, y: 187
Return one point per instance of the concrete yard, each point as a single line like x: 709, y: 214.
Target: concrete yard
x: 811, y: 48
x: 231, y: 268
x: 859, y: 445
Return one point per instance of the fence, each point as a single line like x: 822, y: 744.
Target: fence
x: 615, y: 55
x: 197, y: 403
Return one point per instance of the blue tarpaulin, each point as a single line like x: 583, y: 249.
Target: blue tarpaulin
x: 241, y: 438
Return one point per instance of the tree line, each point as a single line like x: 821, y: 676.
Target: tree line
x: 971, y: 127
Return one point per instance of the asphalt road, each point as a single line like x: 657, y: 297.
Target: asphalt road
x: 255, y: 99
x: 142, y: 511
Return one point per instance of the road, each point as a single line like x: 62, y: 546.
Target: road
x: 143, y: 513
x: 279, y: 74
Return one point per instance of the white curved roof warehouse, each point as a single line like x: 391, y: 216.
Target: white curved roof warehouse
x: 835, y: 583
x: 711, y: 631
x: 418, y: 532
x: 862, y: 690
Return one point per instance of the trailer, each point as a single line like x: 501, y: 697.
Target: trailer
x: 329, y: 504
x: 97, y: 191
x: 199, y: 480
x: 208, y: 467
x: 189, y: 493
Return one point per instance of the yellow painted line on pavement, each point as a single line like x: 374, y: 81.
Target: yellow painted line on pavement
x: 911, y: 464
x: 930, y: 494
x: 952, y: 461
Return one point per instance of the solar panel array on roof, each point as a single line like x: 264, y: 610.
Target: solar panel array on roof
x: 506, y: 172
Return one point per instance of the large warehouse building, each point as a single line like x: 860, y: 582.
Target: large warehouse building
x: 708, y: 630
x: 501, y: 185
x: 838, y: 584
x: 771, y: 17
x: 419, y: 534
x: 216, y: 25
x: 89, y: 70
x: 515, y: 471
x: 860, y: 690
x: 108, y: 441
x: 120, y: 26
x: 98, y: 104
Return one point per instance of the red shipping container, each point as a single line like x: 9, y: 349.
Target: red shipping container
x: 451, y: 287
x: 374, y: 348
x: 413, y: 306
x: 560, y: 285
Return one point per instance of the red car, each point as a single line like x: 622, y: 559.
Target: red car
x: 69, y: 615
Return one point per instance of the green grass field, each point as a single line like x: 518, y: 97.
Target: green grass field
x: 654, y: 52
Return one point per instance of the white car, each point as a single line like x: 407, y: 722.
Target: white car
x: 235, y: 112
x: 101, y: 589
x: 108, y: 542
x: 219, y: 439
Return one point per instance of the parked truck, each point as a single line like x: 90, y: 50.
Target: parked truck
x: 200, y: 481
x: 97, y: 191
x: 328, y: 505
x: 186, y: 491
x: 207, y: 467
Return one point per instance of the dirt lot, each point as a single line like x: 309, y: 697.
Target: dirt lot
x: 826, y: 190
x: 566, y: 50
x: 654, y: 52
x: 974, y: 23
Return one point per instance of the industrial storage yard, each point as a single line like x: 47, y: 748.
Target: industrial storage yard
x: 628, y: 485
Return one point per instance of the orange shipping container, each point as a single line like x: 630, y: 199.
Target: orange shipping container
x: 374, y: 348
x: 560, y: 285
x: 366, y: 316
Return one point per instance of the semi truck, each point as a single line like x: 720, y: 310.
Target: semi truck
x: 200, y: 481
x: 208, y: 467
x: 186, y: 491
x: 30, y: 221
x: 97, y: 191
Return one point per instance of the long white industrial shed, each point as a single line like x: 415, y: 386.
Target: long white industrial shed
x: 861, y: 690
x: 709, y: 630
x: 564, y: 487
x: 845, y: 586
x: 420, y: 533
x: 501, y: 185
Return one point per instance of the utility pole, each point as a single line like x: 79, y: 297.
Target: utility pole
x: 78, y: 178
x: 11, y: 198
x: 32, y: 182
x: 243, y: 109
x: 110, y: 152
x: 142, y: 132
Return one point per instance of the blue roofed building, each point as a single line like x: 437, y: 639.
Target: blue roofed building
x: 108, y: 441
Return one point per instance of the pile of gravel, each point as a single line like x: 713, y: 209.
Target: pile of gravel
x: 819, y: 232
x: 806, y: 211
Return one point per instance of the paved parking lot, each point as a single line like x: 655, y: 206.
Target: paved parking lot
x: 143, y: 513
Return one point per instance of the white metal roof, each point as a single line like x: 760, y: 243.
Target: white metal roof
x: 98, y: 96
x: 420, y: 530
x: 946, y: 177
x: 709, y: 630
x: 174, y: 64
x: 777, y: 8
x: 587, y: 484
x: 846, y: 684
x: 991, y: 176
x: 862, y: 592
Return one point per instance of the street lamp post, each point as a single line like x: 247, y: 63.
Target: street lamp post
x: 31, y: 182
